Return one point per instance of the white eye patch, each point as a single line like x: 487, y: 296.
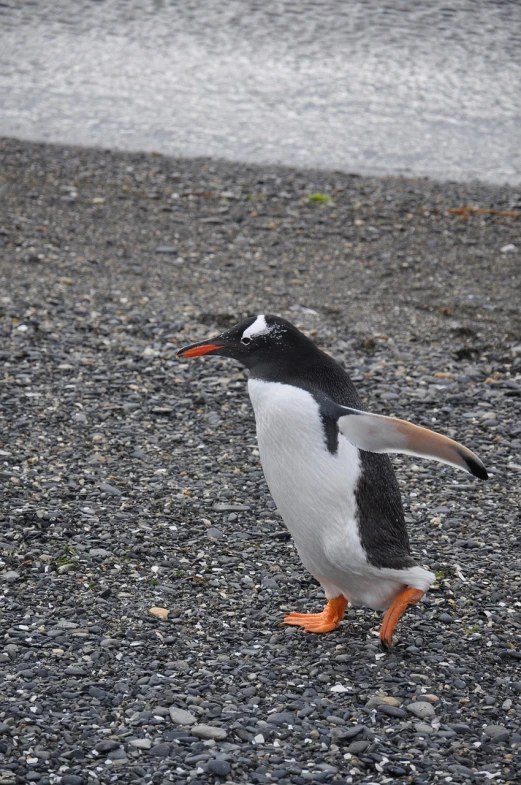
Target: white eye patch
x: 259, y: 327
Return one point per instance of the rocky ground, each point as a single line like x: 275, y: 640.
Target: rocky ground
x: 131, y: 480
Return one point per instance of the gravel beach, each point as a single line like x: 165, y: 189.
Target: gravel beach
x: 130, y: 480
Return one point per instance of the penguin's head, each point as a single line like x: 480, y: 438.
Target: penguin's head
x: 255, y: 341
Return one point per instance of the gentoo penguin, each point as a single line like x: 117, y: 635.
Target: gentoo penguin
x: 324, y: 460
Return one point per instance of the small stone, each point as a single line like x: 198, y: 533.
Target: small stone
x: 421, y: 710
x: 281, y: 718
x: 421, y: 727
x: 119, y: 755
x: 214, y: 533
x: 161, y: 613
x: 463, y: 771
x: 356, y: 747
x: 510, y: 248
x: 10, y: 576
x: 497, y: 733
x: 161, y: 750
x: 340, y: 688
x: 75, y: 670
x: 334, y: 720
x: 141, y: 744
x: 392, y: 711
x: 110, y: 489
x: 374, y: 701
x: 101, y: 552
x: 107, y: 745
x: 390, y: 701
x: 208, y: 732
x: 221, y: 768
x: 460, y: 727
x: 181, y: 717
x: 230, y: 507
x: 11, y: 650
x: 327, y: 767
x: 72, y: 779
x: 166, y: 249
x: 350, y: 733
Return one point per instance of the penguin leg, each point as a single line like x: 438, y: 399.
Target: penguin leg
x: 326, y: 621
x: 395, y: 611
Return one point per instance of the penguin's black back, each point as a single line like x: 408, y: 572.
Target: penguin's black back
x: 381, y: 521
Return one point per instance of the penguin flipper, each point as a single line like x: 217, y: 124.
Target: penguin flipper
x: 377, y: 433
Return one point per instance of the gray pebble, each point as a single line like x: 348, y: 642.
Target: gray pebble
x: 141, y: 744
x: 421, y: 709
x: 497, y: 733
x: 208, y: 732
x: 230, y: 507
x: 110, y: 489
x: 161, y: 750
x: 392, y: 711
x: 281, y: 718
x: 181, y: 717
x: 10, y: 576
x: 421, y: 727
x: 107, y: 745
x: 356, y: 747
x: 221, y: 768
x: 166, y: 249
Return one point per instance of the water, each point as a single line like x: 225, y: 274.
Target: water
x: 418, y: 87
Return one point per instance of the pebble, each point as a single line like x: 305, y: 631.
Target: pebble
x: 10, y: 576
x: 75, y: 670
x: 107, y: 745
x: 390, y: 701
x: 350, y: 733
x: 497, y: 733
x: 110, y: 489
x: 220, y: 768
x: 141, y: 744
x: 230, y: 507
x: 166, y: 249
x: 161, y: 613
x: 421, y: 709
x: 208, y: 732
x: 420, y: 727
x: 281, y: 718
x: 181, y: 717
x: 161, y: 750
x: 392, y: 711
x: 357, y: 747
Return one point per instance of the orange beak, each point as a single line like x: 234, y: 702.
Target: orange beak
x: 198, y: 349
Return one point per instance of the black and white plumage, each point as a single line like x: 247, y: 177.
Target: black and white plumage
x: 324, y: 460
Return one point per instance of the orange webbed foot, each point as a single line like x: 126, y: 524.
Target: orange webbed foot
x: 395, y: 612
x: 327, y: 620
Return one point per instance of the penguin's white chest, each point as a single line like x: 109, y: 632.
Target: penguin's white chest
x: 313, y: 488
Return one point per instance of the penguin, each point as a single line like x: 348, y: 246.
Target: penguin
x: 325, y: 461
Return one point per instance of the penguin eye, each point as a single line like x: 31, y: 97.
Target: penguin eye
x: 245, y: 341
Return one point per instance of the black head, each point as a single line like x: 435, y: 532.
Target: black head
x: 256, y: 341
